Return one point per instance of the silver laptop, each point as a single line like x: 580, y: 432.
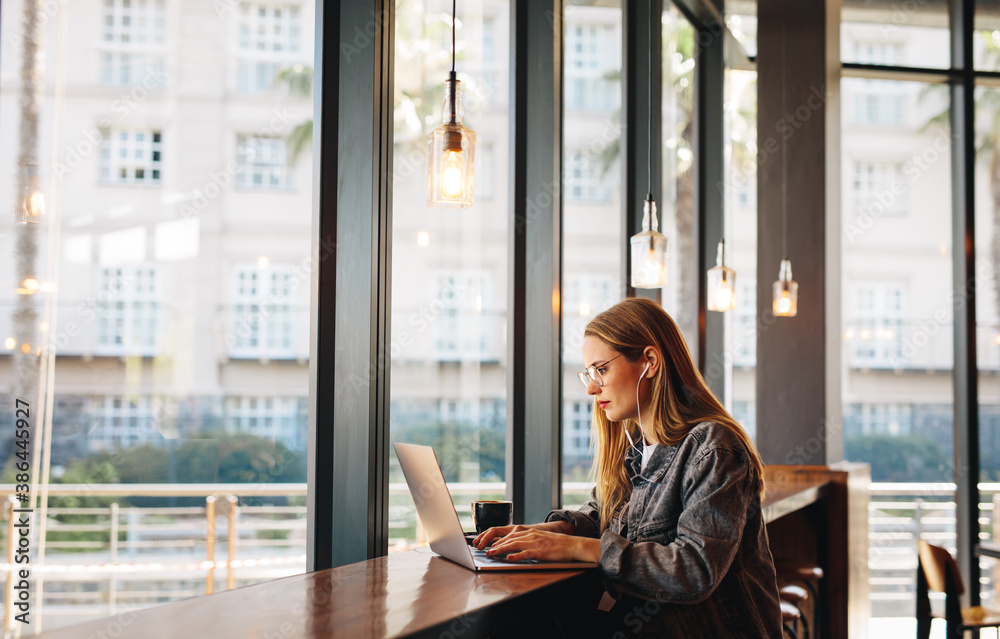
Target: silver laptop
x: 440, y: 519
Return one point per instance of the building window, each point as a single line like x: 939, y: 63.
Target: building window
x: 745, y: 336
x: 879, y: 419
x: 745, y: 414
x: 586, y: 295
x: 275, y: 418
x: 588, y: 181
x: 879, y: 102
x: 878, y: 188
x: 123, y: 421
x: 133, y: 33
x: 875, y: 331
x: 592, y: 63
x: 886, y: 53
x: 586, y: 46
x: 466, y: 323
x: 262, y: 322
x: 131, y: 157
x: 129, y: 318
x: 489, y: 40
x: 268, y: 41
x: 576, y: 430
x: 263, y: 163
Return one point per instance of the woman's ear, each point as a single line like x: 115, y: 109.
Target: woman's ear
x: 653, y: 359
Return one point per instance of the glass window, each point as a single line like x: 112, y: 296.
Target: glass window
x: 132, y: 42
x: 897, y: 317
x: 886, y: 32
x: 168, y: 308
x: 593, y: 274
x: 449, y: 289
x: 878, y: 187
x: 740, y: 223
x: 874, y: 326
x: 987, y: 102
x: 676, y: 205
x: 130, y: 317
x: 986, y: 37
x: 879, y: 102
x: 268, y: 42
x: 131, y: 157
x: 263, y: 318
x: 263, y: 162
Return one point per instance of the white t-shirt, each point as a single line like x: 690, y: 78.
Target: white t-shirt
x: 647, y: 452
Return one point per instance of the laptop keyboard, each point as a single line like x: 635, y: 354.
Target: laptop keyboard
x: 480, y: 557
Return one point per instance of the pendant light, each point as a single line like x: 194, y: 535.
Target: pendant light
x: 451, y: 147
x: 721, y: 283
x: 649, y: 248
x: 32, y: 200
x: 785, y: 290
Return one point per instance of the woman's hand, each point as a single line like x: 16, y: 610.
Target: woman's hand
x: 490, y: 535
x: 545, y: 545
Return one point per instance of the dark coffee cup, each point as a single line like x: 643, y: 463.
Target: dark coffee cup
x: 487, y: 514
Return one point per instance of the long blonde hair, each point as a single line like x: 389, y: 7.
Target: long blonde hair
x: 680, y: 399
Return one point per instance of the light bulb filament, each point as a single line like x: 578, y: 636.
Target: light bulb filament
x: 453, y: 179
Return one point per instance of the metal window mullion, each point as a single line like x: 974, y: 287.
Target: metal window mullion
x: 709, y: 210
x: 534, y: 363
x: 638, y: 134
x: 351, y: 255
x: 966, y: 374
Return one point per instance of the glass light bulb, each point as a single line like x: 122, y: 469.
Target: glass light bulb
x: 724, y: 300
x: 649, y: 252
x: 454, y: 178
x: 782, y: 305
x: 721, y: 284
x: 786, y: 292
x: 32, y: 200
x: 451, y: 149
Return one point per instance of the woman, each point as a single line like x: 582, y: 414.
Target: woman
x: 675, y: 525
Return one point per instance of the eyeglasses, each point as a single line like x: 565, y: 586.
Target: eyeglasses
x: 593, y: 373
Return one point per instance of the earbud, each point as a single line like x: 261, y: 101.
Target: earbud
x: 641, y: 375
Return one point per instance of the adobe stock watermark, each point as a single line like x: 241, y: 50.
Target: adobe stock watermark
x: 986, y: 271
x: 785, y: 128
x: 414, y: 162
x: 543, y: 198
x: 73, y: 155
x: 806, y: 451
x: 87, y: 311
x: 419, y: 321
x: 47, y: 9
x: 249, y: 323
x: 885, y: 200
x: 220, y: 180
x: 900, y: 15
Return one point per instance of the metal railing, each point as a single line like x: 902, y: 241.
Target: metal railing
x: 901, y: 513
x: 102, y: 559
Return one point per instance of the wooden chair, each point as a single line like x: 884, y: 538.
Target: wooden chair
x: 937, y: 571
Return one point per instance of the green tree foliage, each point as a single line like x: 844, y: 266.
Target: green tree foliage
x: 457, y: 442
x: 910, y: 458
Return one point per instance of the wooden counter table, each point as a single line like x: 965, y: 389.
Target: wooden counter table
x: 411, y: 594
x: 821, y: 518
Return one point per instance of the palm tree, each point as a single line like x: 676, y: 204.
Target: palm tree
x: 298, y: 80
x: 25, y: 316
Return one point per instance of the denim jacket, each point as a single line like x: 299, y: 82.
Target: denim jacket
x: 687, y: 555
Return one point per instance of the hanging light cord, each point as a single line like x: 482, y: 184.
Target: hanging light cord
x: 649, y: 125
x: 452, y: 87
x: 784, y: 143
